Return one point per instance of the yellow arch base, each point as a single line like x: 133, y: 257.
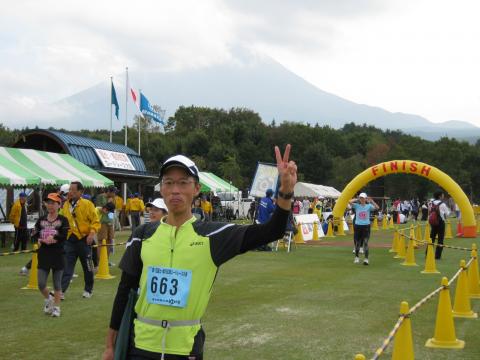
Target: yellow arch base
x: 415, y: 168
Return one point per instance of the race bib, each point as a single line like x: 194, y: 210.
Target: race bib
x: 363, y: 215
x: 168, y: 286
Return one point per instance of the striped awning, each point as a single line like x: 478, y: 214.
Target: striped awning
x: 22, y: 167
x: 211, y: 182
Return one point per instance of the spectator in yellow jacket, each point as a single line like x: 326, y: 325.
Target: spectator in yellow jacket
x: 84, y: 225
x: 18, y: 217
x: 207, y: 209
x: 136, y: 207
x: 118, y: 210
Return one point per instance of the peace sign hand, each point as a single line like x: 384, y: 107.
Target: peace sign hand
x: 287, y: 170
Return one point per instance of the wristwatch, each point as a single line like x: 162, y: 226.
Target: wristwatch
x: 286, y: 196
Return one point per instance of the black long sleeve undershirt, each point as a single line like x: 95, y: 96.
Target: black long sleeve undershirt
x: 262, y: 234
x: 127, y: 282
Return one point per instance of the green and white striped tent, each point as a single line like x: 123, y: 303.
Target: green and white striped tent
x: 211, y: 182
x: 24, y: 167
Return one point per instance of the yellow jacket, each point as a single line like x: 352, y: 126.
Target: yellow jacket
x: 206, y: 206
x: 318, y: 212
x: 118, y: 203
x: 15, y: 213
x: 135, y: 204
x: 85, y: 220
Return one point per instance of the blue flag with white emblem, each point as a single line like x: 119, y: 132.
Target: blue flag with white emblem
x: 148, y: 110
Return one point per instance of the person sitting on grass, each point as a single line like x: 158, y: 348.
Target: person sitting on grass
x: 51, y: 232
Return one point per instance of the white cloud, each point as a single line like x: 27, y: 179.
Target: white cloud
x: 417, y: 56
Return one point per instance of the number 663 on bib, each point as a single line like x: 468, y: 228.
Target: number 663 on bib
x: 168, y: 286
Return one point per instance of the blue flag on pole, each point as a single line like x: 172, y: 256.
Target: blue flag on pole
x: 148, y: 110
x: 115, y: 102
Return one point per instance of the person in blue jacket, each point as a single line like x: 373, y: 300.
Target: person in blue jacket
x: 264, y: 212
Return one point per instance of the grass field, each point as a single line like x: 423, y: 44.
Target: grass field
x: 313, y: 303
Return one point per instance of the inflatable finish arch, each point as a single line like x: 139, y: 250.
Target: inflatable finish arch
x: 415, y: 168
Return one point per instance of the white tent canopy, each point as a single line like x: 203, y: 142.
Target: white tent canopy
x: 313, y: 190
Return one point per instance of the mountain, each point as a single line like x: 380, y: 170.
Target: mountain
x: 260, y: 84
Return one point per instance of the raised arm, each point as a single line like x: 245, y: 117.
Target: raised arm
x: 287, y: 173
x: 371, y: 201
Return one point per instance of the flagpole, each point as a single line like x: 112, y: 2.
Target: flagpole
x: 139, y: 120
x: 126, y: 104
x: 111, y: 102
x: 126, y: 125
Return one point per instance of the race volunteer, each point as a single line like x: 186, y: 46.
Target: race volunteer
x: 175, y: 265
x: 84, y: 225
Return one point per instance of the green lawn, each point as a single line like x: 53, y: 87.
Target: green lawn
x: 313, y: 303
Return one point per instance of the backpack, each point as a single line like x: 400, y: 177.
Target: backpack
x: 434, y: 217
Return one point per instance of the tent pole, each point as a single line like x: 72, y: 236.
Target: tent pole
x: 40, y: 210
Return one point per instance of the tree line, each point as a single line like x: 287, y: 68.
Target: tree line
x: 229, y: 143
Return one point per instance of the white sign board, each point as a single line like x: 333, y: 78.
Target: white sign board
x: 265, y: 178
x: 113, y: 159
x: 307, y: 221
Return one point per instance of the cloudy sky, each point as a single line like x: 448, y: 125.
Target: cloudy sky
x: 414, y: 56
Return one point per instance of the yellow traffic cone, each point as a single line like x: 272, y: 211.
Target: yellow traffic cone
x: 473, y: 283
x: 390, y: 223
x: 103, y: 269
x: 330, y: 230
x: 401, y: 246
x: 384, y: 222
x: 412, y: 235
x: 410, y: 257
x: 315, y: 231
x: 448, y: 230
x: 394, y: 242
x: 418, y: 233
x: 461, y: 306
x: 403, y: 343
x: 375, y: 223
x: 444, y: 326
x: 430, y: 266
x: 33, y: 278
x: 427, y: 232
x: 340, y: 229
x: 299, y: 236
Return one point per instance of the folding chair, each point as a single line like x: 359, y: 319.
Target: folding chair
x: 287, y: 241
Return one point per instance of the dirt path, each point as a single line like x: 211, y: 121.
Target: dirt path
x: 343, y: 244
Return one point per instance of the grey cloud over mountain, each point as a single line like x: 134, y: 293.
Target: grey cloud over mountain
x: 258, y: 83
